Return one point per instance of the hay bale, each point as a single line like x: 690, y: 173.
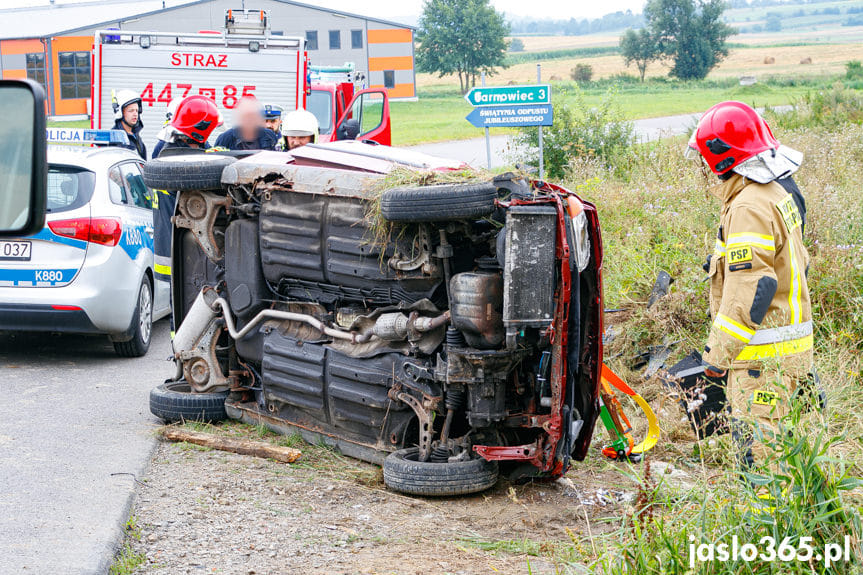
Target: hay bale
x: 806, y: 60
x: 554, y: 78
x: 769, y: 60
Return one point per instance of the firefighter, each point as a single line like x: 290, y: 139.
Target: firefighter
x: 273, y: 118
x: 127, y: 117
x: 299, y: 128
x: 761, y: 335
x: 191, y: 125
x: 248, y: 132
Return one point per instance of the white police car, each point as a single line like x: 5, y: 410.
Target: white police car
x: 90, y: 269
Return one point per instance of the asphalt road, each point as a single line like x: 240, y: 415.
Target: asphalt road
x: 75, y: 432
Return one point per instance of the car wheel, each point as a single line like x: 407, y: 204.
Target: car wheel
x: 186, y: 172
x: 142, y: 325
x: 438, y: 203
x: 175, y: 401
x: 405, y: 473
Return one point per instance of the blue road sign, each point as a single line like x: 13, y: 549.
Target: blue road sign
x: 510, y: 116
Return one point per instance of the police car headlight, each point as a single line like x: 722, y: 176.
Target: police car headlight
x: 581, y: 233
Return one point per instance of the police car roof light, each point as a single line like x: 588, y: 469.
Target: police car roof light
x: 86, y: 136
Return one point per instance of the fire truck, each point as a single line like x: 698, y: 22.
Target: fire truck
x: 242, y: 59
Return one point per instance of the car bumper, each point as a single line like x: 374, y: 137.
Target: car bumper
x: 105, y: 291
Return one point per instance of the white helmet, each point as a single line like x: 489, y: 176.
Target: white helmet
x: 172, y: 109
x: 300, y: 123
x: 123, y: 98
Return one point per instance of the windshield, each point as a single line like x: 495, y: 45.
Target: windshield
x: 69, y: 188
x: 320, y: 103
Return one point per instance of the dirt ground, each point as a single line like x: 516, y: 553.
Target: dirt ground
x: 203, y: 511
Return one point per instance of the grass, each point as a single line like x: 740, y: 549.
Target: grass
x: 67, y: 124
x: 127, y: 560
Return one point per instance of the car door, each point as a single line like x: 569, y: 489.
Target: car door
x: 368, y: 116
x: 137, y: 210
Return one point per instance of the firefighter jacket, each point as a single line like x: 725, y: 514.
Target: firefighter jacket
x: 759, y: 296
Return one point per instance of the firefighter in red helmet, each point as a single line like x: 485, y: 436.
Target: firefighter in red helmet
x: 761, y: 334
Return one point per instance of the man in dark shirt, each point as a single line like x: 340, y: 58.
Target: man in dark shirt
x: 249, y: 131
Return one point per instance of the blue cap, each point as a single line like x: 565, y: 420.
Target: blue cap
x: 272, y: 111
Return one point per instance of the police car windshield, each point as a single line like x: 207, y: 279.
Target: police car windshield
x: 320, y: 103
x: 69, y: 188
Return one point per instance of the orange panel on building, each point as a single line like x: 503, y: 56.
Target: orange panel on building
x: 392, y: 36
x: 66, y: 106
x: 398, y: 91
x: 392, y: 63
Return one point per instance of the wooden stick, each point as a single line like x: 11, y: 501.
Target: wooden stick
x: 241, y: 446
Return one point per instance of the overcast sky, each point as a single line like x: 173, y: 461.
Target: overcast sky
x: 409, y: 10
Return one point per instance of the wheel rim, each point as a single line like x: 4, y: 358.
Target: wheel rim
x: 145, y: 313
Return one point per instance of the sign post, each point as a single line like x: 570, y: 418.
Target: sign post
x: 487, y: 137
x: 541, y: 162
x: 511, y: 106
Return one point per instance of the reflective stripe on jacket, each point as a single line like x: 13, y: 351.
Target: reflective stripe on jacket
x: 759, y: 296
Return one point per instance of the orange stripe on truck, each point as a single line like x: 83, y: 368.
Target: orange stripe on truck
x: 391, y: 63
x: 392, y: 36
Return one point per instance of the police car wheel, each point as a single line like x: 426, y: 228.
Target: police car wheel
x: 175, y: 401
x: 142, y: 325
x: 186, y: 172
x: 445, y: 202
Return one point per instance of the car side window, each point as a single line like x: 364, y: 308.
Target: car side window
x: 116, y: 187
x: 139, y: 194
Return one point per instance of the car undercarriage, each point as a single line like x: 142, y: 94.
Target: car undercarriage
x: 449, y: 331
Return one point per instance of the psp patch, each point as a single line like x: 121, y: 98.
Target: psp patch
x: 740, y: 255
x: 761, y: 397
x: 790, y: 214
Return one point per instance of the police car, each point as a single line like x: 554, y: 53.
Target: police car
x: 90, y: 269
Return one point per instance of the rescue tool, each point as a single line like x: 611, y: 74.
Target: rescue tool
x: 617, y: 423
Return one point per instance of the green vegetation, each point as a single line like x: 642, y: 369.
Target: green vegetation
x: 639, y: 48
x: 461, y: 37
x: 127, y: 560
x: 562, y: 54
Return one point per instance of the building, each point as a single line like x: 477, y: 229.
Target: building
x: 52, y: 44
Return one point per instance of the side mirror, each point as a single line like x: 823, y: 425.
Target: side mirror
x: 23, y: 158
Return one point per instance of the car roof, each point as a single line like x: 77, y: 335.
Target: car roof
x: 91, y: 158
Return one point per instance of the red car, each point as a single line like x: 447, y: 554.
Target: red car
x: 449, y: 331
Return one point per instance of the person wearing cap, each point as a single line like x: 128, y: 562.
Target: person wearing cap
x: 273, y: 118
x: 127, y: 117
x: 761, y: 335
x: 249, y: 131
x: 299, y: 128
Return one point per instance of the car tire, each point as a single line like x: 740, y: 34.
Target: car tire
x: 142, y: 324
x: 175, y: 401
x: 438, y: 203
x: 404, y: 473
x: 186, y: 172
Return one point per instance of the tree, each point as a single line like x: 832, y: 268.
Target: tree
x: 462, y: 37
x: 516, y: 45
x: 691, y: 33
x: 639, y: 48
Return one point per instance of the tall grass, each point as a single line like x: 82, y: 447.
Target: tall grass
x: 656, y: 214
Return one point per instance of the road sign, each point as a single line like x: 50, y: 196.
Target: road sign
x: 507, y: 95
x: 509, y: 116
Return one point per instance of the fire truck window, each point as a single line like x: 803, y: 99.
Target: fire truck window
x: 320, y: 103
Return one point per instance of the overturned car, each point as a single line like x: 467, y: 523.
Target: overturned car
x: 394, y: 306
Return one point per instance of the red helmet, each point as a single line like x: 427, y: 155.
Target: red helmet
x: 730, y: 133
x: 196, y: 117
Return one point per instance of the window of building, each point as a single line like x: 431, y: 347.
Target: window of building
x: 36, y: 67
x: 356, y: 39
x: 311, y: 39
x: 335, y: 40
x: 389, y: 79
x: 74, y: 74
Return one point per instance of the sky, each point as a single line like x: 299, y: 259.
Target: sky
x: 409, y: 10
